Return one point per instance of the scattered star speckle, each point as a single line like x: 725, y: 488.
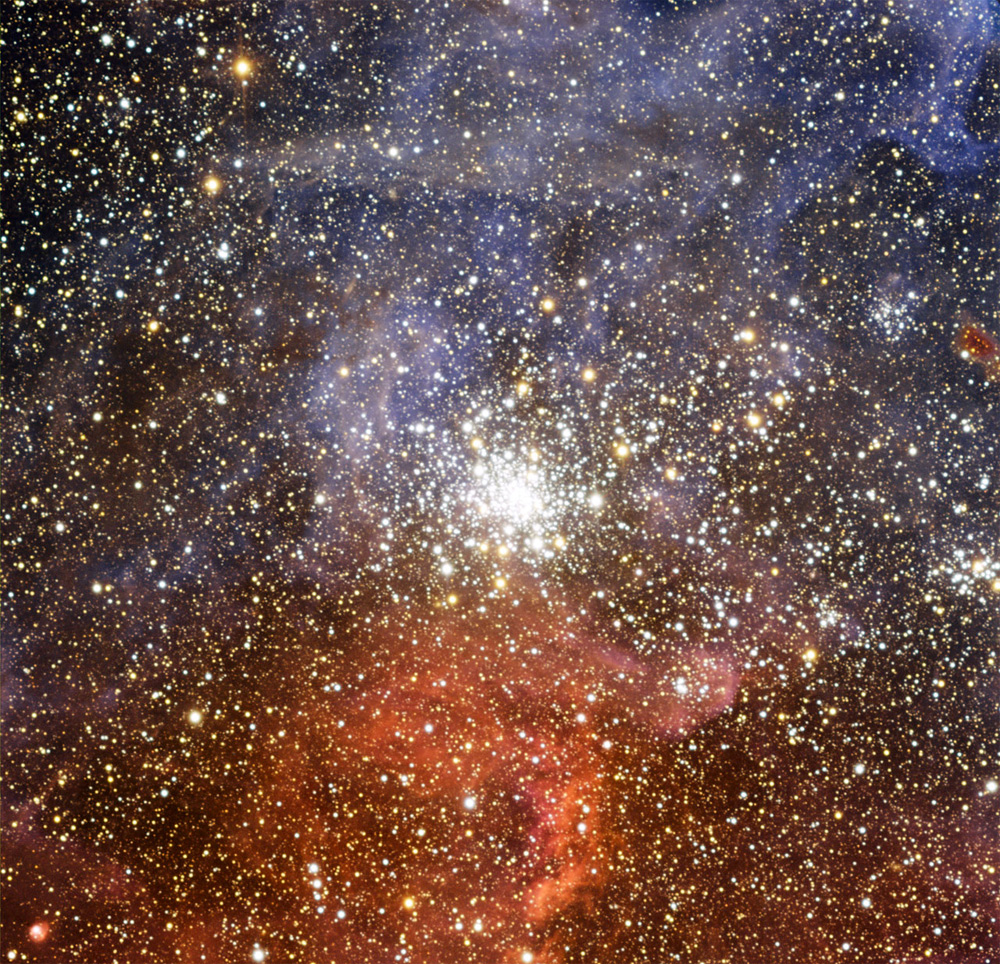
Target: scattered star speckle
x: 501, y: 482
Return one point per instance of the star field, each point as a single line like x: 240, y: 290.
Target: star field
x: 502, y: 482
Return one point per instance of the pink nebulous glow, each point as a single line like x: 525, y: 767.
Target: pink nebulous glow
x: 527, y: 721
x: 39, y: 931
x: 698, y: 688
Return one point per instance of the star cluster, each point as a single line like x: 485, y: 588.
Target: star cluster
x: 501, y: 482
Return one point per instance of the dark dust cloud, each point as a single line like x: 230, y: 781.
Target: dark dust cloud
x: 502, y: 482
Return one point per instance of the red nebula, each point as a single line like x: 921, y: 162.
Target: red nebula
x: 981, y: 347
x: 500, y: 744
x: 39, y: 931
x: 976, y: 342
